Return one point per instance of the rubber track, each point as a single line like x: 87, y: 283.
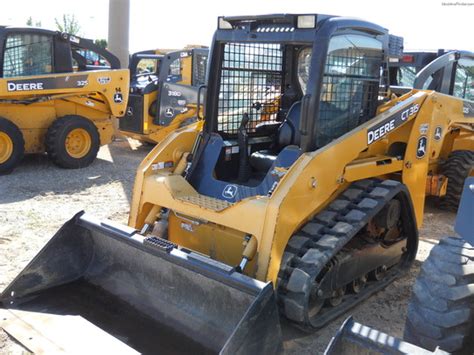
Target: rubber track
x: 441, y: 310
x: 310, y: 249
x: 456, y: 169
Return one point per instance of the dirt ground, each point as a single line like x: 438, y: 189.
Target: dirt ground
x: 37, y: 198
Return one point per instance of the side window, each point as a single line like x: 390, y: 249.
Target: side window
x: 464, y: 79
x: 406, y: 76
x: 175, y: 68
x: 199, y: 69
x: 85, y: 59
x: 304, y: 64
x: 350, y: 86
x: 28, y: 54
x: 147, y: 66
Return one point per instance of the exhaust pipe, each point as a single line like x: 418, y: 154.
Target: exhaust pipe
x: 150, y: 296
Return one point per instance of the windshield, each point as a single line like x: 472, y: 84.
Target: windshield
x: 250, y: 83
x: 146, y: 70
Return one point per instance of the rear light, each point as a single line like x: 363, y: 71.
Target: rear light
x: 408, y: 59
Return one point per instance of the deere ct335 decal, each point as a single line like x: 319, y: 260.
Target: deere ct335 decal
x: 63, y: 82
x: 378, y: 131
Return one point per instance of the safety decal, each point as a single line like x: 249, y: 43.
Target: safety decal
x: 381, y: 129
x: 74, y: 39
x: 103, y: 80
x: 438, y: 133
x: 421, y: 147
x: 424, y: 128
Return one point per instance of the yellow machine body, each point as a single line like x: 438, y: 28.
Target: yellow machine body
x: 33, y: 111
x: 302, y: 188
x: 306, y: 187
x: 185, y: 69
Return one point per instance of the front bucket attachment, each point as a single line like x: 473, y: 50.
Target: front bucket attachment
x: 354, y: 338
x: 100, y: 286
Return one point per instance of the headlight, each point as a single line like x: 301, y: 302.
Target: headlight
x: 223, y: 24
x: 306, y: 21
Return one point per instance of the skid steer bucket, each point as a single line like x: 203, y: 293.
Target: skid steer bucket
x: 354, y: 338
x: 100, y: 286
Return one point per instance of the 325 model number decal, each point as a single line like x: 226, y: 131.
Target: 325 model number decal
x: 397, y: 119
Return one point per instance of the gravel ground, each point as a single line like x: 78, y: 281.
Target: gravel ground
x: 37, y: 198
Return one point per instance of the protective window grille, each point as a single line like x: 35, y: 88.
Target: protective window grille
x: 199, y: 68
x: 464, y: 79
x: 27, y: 54
x: 250, y: 83
x: 406, y: 76
x: 349, y: 91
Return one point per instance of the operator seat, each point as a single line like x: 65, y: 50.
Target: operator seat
x: 288, y: 134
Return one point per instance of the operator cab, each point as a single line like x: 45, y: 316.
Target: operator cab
x: 286, y: 84
x: 29, y: 51
x: 150, y: 103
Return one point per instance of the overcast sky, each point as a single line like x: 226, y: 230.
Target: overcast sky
x: 425, y: 24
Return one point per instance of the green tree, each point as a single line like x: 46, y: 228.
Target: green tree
x: 29, y: 22
x: 68, y: 24
x: 101, y: 43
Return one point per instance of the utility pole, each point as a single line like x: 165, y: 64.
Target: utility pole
x: 119, y: 29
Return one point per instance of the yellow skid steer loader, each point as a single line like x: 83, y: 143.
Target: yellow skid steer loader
x: 303, y: 191
x: 58, y: 94
x: 155, y: 107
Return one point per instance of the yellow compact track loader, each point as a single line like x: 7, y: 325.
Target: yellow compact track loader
x: 163, y: 92
x: 302, y: 191
x: 58, y: 94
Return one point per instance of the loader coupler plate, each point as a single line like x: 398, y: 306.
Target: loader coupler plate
x: 151, y: 300
x: 356, y: 339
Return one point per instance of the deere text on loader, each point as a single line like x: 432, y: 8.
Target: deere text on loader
x: 58, y: 94
x: 306, y: 183
x: 153, y: 109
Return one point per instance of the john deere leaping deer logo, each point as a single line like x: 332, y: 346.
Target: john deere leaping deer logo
x: 229, y: 191
x: 118, y: 97
x: 421, y: 149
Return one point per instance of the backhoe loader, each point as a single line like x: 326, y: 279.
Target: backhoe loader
x: 153, y: 109
x: 58, y: 94
x: 301, y: 190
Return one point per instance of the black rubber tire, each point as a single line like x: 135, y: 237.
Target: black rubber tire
x: 14, y: 133
x: 456, y: 169
x: 56, y: 138
x: 441, y: 310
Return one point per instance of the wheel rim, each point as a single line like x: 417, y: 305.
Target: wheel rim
x: 6, y: 147
x: 78, y: 143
